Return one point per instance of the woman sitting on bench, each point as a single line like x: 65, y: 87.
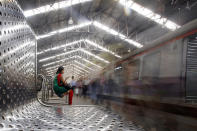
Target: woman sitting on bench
x: 60, y: 85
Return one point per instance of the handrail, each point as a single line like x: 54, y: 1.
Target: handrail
x: 43, y: 80
x: 44, y: 88
x: 51, y: 77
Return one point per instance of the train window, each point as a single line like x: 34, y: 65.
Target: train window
x: 118, y: 73
x: 151, y: 65
x: 133, y: 70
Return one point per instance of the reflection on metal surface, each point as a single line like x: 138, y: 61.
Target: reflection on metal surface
x: 17, y: 57
x: 70, y: 118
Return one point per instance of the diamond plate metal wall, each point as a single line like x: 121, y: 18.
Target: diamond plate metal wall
x: 17, y: 57
x: 36, y: 117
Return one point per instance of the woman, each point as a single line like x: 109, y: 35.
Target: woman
x: 60, y: 85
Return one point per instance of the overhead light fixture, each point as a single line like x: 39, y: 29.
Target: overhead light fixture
x: 53, y: 7
x: 67, y: 29
x: 84, y: 66
x: 76, y: 66
x: 78, y: 41
x: 59, y: 47
x: 93, y: 55
x: 51, y: 72
x: 62, y: 54
x: 77, y: 70
x: 55, y: 62
x: 73, y: 51
x: 149, y: 14
x: 54, y: 68
x: 79, y: 57
x: 115, y: 33
x: 82, y: 70
x: 98, y: 25
x: 102, y: 48
x: 90, y: 62
x: 73, y: 70
x: 74, y: 27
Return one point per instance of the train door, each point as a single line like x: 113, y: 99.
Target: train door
x: 191, y: 69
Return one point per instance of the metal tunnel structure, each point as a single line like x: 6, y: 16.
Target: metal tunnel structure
x: 135, y: 67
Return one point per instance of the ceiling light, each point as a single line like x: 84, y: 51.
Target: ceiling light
x: 79, y: 57
x: 77, y: 70
x: 102, y: 48
x: 73, y: 51
x: 59, y: 47
x: 76, y: 42
x: 89, y: 62
x: 115, y: 33
x: 62, y: 54
x: 74, y: 27
x: 54, y: 68
x: 73, y: 70
x: 84, y: 66
x: 149, y: 14
x: 67, y: 29
x: 49, y: 68
x: 55, y: 62
x: 93, y: 55
x: 53, y: 7
x: 98, y: 25
x: 81, y: 68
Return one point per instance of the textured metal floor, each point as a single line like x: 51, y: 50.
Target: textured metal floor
x: 70, y: 118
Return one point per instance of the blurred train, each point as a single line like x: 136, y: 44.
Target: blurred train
x: 164, y: 70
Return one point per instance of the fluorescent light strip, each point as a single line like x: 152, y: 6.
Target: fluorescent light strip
x: 82, y: 50
x: 98, y: 25
x: 79, y: 57
x: 102, y: 48
x: 59, y: 47
x: 75, y: 75
x: 76, y: 42
x: 52, y: 67
x: 58, y: 61
x: 95, y: 56
x: 64, y: 30
x: 115, y: 33
x: 75, y: 66
x: 84, y: 65
x: 75, y: 69
x: 51, y: 72
x: 82, y: 68
x: 55, y: 67
x: 69, y: 72
x: 63, y: 4
x: 89, y: 62
x: 53, y: 7
x: 62, y: 54
x: 149, y: 14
